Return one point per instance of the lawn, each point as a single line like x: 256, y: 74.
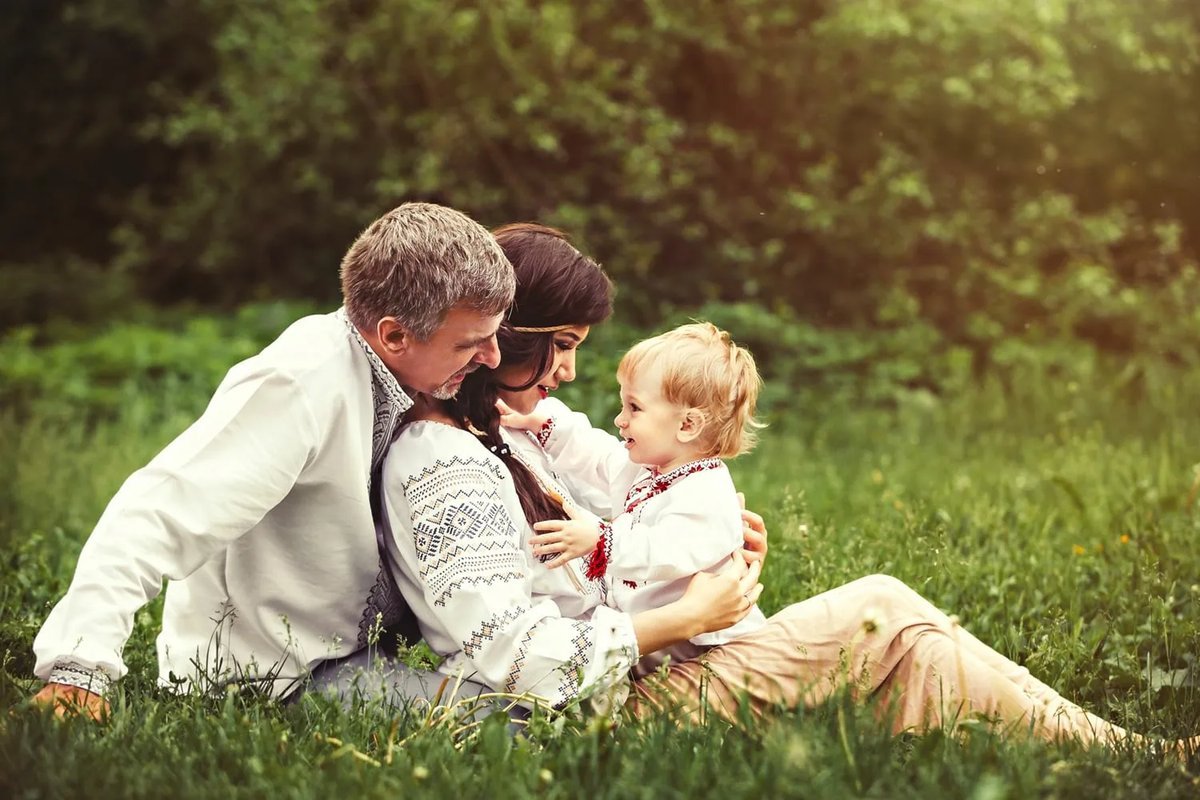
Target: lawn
x: 1058, y: 520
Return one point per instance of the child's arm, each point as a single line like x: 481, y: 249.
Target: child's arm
x: 567, y: 538
x: 586, y: 454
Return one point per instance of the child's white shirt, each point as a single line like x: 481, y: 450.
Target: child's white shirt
x: 664, y: 528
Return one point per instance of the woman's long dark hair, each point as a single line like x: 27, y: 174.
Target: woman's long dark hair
x: 556, y: 285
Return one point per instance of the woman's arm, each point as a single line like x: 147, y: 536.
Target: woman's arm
x: 461, y: 564
x: 712, y: 602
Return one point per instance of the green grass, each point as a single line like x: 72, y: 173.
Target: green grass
x: 1059, y: 522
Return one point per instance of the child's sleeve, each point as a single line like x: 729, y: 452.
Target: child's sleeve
x: 582, y: 453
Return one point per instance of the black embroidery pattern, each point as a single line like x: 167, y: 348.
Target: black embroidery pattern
x: 572, y: 670
x: 384, y: 605
x: 575, y: 665
x: 390, y: 400
x: 72, y: 674
x: 486, y: 632
x: 514, y: 673
x: 462, y: 532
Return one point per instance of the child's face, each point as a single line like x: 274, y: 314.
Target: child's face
x: 651, y: 426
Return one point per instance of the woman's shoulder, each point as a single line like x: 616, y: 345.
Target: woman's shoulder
x: 426, y: 446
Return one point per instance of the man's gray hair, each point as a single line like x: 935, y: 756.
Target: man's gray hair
x: 417, y: 262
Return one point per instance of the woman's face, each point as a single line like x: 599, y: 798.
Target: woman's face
x: 560, y: 371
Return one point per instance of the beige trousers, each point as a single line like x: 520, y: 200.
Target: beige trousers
x: 878, y: 638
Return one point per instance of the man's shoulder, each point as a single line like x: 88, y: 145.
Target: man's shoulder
x: 313, y: 348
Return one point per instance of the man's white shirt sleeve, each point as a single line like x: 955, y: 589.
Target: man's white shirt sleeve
x: 203, y: 491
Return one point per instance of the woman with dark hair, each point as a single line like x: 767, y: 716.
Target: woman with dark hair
x: 462, y: 493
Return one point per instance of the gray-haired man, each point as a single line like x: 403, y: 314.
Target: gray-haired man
x: 260, y: 513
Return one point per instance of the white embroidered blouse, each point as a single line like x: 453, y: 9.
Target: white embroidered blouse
x: 665, y: 528
x: 461, y: 557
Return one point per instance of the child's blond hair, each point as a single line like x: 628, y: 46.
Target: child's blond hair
x: 703, y: 369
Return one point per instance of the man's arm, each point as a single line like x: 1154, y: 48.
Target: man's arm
x: 204, y: 490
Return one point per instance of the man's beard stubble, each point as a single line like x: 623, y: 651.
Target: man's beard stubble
x: 449, y: 389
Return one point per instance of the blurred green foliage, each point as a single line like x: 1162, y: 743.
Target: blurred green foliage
x: 992, y: 172
x: 165, y: 365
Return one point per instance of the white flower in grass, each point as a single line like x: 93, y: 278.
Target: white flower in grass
x: 871, y: 618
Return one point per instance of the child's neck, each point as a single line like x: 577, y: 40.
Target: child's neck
x: 682, y: 457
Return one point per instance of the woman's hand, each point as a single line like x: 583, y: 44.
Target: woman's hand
x: 711, y: 603
x: 725, y: 598
x: 754, y: 533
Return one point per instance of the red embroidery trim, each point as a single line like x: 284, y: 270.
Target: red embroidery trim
x: 543, y: 434
x: 654, y: 485
x: 597, y: 565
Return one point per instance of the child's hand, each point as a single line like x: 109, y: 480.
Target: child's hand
x: 566, y: 538
x: 531, y: 422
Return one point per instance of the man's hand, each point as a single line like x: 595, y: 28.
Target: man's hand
x: 72, y: 700
x: 567, y: 538
x: 754, y: 533
x: 531, y: 422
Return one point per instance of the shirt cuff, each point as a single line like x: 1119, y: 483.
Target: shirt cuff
x: 70, y: 673
x: 545, y: 432
x: 597, y: 562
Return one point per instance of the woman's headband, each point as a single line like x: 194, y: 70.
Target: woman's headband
x: 548, y: 329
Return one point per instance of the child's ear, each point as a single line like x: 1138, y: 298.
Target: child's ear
x: 691, y: 426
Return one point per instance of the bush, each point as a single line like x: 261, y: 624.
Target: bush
x: 162, y: 366
x: 1007, y: 167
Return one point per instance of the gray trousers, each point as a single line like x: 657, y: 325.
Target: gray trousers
x: 368, y: 677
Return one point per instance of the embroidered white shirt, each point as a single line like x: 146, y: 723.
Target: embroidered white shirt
x: 258, y: 515
x: 660, y: 536
x: 462, y: 560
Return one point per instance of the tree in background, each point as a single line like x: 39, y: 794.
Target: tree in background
x: 997, y: 171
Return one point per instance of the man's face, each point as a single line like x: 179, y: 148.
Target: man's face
x: 465, y: 341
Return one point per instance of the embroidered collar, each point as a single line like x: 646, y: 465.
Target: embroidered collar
x: 656, y: 483
x: 389, y: 398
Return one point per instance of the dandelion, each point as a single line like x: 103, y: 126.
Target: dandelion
x: 1124, y: 538
x: 870, y: 621
x: 1078, y: 549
